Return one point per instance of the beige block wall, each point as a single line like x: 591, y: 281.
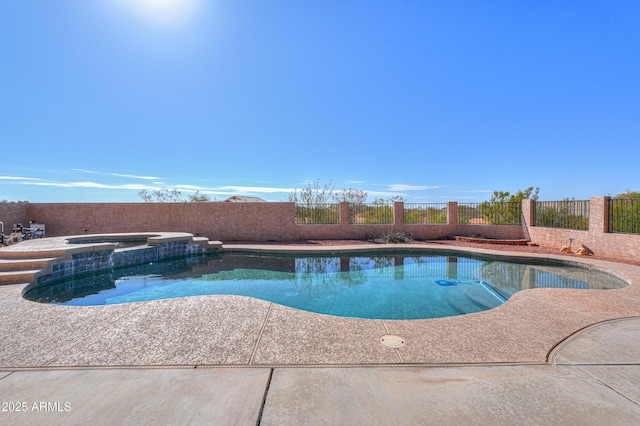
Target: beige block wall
x: 276, y: 221
x: 500, y: 232
x: 11, y: 213
x: 229, y: 221
x: 615, y: 245
x: 221, y: 221
x: 597, y: 239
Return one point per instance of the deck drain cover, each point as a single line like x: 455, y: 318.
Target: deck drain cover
x: 392, y: 341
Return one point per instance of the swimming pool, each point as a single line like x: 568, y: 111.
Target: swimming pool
x: 376, y: 285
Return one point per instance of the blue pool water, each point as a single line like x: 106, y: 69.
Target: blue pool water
x: 382, y: 286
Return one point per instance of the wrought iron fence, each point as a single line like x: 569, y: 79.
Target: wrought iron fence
x: 317, y: 214
x: 468, y: 213
x: 566, y: 214
x: 425, y: 213
x: 624, y: 215
x: 374, y: 213
x: 488, y: 213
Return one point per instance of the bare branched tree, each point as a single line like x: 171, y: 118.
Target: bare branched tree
x: 315, y: 194
x: 166, y: 195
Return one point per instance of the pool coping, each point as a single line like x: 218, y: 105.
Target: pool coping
x: 236, y: 331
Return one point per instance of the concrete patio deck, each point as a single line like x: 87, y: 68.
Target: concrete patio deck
x: 537, y: 359
x: 593, y: 379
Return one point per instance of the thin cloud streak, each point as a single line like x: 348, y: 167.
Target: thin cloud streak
x: 85, y: 185
x: 135, y: 177
x: 404, y: 187
x: 260, y: 189
x: 384, y: 193
x: 189, y: 188
x: 18, y: 178
x: 124, y: 175
x: 224, y: 190
x: 86, y: 171
x: 108, y: 182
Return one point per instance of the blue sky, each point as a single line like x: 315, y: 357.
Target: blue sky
x: 431, y: 100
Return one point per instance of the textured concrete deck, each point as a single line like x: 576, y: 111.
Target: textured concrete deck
x: 512, y: 364
x: 593, y: 379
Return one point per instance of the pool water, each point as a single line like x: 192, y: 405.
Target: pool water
x: 380, y: 286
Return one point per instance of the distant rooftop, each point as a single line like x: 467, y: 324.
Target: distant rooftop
x: 242, y: 199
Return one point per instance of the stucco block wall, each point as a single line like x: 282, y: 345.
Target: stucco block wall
x: 500, y: 232
x: 225, y: 221
x: 11, y: 213
x: 230, y: 221
x: 276, y: 221
x: 596, y: 238
x: 617, y: 245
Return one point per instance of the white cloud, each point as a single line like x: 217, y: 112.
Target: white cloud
x: 404, y: 187
x: 224, y: 190
x: 260, y: 189
x: 85, y: 185
x: 188, y: 187
x: 135, y: 177
x: 44, y: 183
x: 99, y: 185
x: 383, y: 194
x: 18, y: 178
x: 85, y: 171
x: 107, y: 183
x: 117, y: 174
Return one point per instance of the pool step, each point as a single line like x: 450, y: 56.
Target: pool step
x: 30, y: 255
x: 215, y: 245
x: 211, y: 245
x: 18, y: 267
x: 477, y: 297
x: 7, y: 265
x: 483, y: 296
x: 17, y: 277
x: 20, y: 271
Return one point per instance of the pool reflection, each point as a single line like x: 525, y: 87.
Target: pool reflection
x: 447, y: 285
